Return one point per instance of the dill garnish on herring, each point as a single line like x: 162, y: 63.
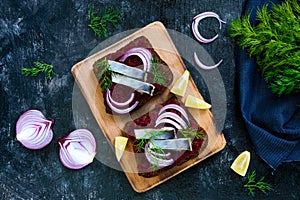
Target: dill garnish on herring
x: 105, y: 74
x: 141, y: 142
x: 158, y: 75
x: 192, y: 132
x: 99, y: 24
x: 141, y: 145
x: 275, y: 44
x: 39, y: 67
x: 155, y: 166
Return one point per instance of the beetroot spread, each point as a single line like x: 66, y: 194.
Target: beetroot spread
x: 121, y: 93
x: 148, y: 121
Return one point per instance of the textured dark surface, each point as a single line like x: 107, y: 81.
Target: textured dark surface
x: 56, y: 32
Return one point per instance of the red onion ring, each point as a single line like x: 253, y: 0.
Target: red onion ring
x: 172, y: 116
x: 143, y: 53
x: 155, y: 159
x: 175, y: 107
x: 169, y: 121
x: 205, y: 67
x: 195, y: 24
x: 77, y: 149
x: 154, y: 153
x: 120, y: 110
x: 119, y: 104
x: 33, y: 130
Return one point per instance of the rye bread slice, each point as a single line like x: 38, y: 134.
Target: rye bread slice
x: 147, y: 120
x: 122, y: 93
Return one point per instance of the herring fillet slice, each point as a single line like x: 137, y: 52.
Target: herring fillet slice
x: 147, y: 133
x: 127, y: 70
x: 140, y: 86
x: 172, y: 144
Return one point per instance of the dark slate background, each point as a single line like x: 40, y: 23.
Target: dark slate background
x: 56, y: 32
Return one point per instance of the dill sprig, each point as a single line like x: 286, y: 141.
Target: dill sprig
x: 192, y: 132
x: 252, y: 184
x: 99, y: 24
x: 39, y: 67
x: 141, y: 144
x: 158, y: 75
x: 105, y: 74
x: 274, y: 43
x: 155, y: 166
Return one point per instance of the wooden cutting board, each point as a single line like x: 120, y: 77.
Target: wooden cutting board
x: 111, y: 126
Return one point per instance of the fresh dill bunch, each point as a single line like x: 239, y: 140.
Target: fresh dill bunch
x: 105, y: 74
x: 39, y: 67
x: 252, y: 184
x: 275, y: 44
x: 158, y: 75
x: 99, y: 24
x: 192, y: 132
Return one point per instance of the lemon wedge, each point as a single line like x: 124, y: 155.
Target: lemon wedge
x: 194, y: 102
x: 241, y: 163
x: 120, y: 144
x: 181, y: 83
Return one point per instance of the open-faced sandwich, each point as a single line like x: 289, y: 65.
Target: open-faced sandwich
x: 132, y: 76
x: 166, y: 136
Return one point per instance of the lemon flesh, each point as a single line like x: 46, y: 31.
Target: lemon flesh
x: 194, y: 102
x: 241, y: 163
x: 120, y: 144
x: 181, y: 83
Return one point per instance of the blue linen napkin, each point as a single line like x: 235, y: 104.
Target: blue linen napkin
x: 272, y: 122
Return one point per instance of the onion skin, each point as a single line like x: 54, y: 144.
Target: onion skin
x: 33, y: 130
x: 195, y: 24
x: 77, y: 149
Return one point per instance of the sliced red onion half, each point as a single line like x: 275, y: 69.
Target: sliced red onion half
x: 175, y: 107
x: 33, y: 130
x: 172, y: 116
x: 157, y: 159
x: 143, y: 53
x: 195, y: 24
x: 120, y: 109
x: 77, y: 149
x: 119, y: 104
x: 205, y: 67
